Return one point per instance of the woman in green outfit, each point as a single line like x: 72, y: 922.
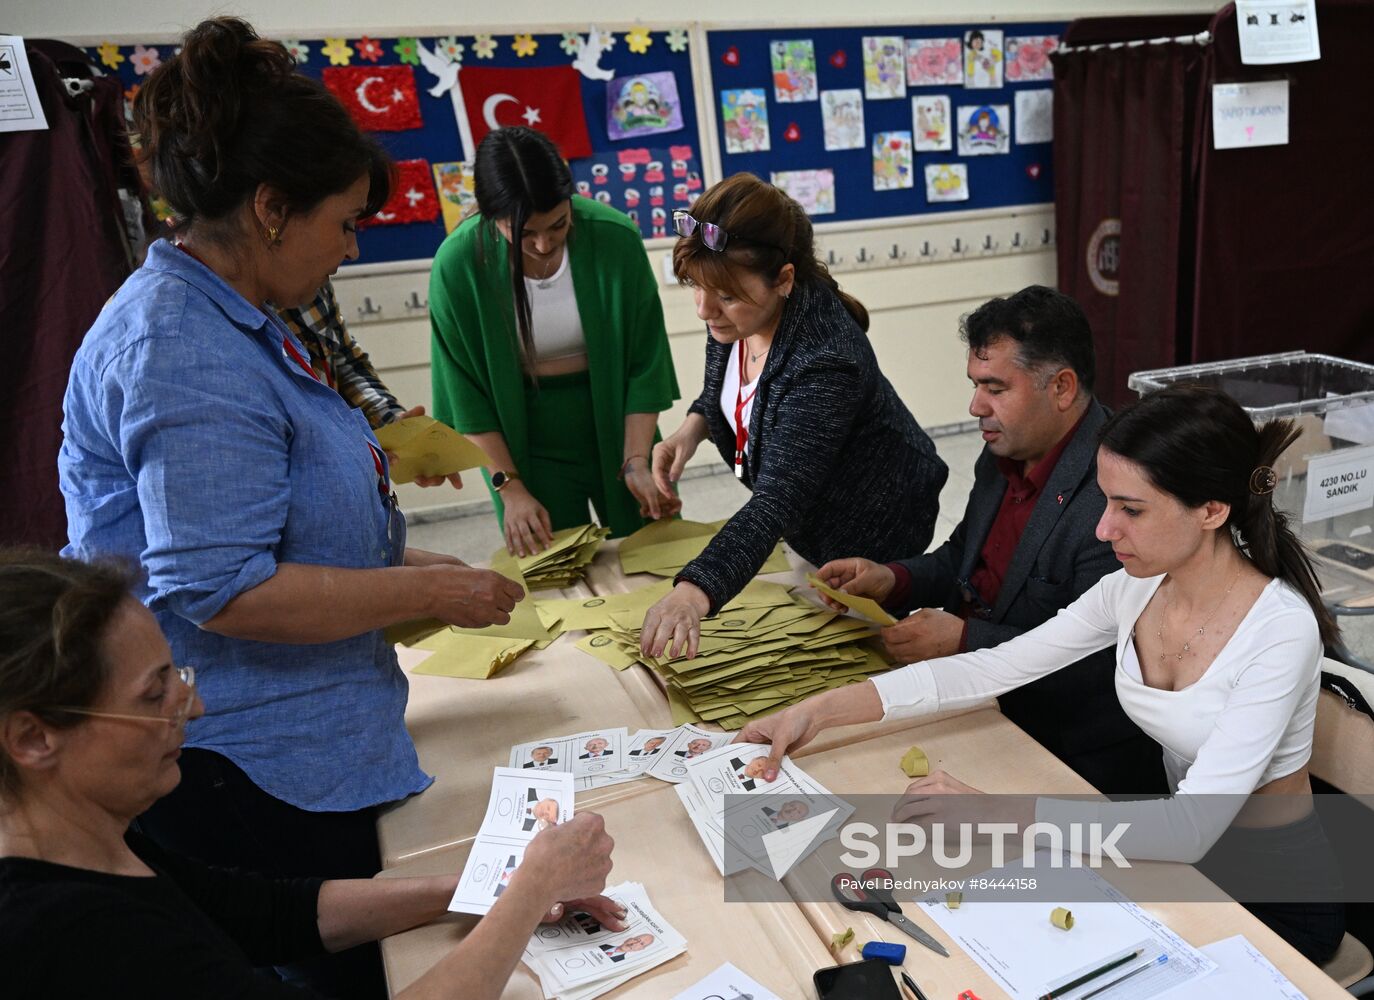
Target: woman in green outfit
x: 549, y: 349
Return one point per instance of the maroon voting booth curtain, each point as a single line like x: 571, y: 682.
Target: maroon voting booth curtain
x: 1285, y: 234
x: 1122, y: 139
x: 63, y: 252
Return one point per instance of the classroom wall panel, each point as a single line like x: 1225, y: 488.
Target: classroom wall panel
x: 71, y: 18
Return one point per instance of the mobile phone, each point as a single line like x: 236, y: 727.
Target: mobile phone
x: 870, y: 979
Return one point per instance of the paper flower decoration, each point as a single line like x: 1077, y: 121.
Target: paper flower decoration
x: 110, y: 54
x: 484, y: 46
x: 144, y: 60
x: 571, y: 42
x: 638, y: 40
x: 296, y: 49
x: 369, y: 49
x: 407, y: 50
x: 524, y: 45
x: 450, y: 48
x: 338, y: 51
x: 677, y: 40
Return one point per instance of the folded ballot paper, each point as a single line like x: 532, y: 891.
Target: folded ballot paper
x: 769, y: 826
x: 422, y: 446
x: 522, y: 803
x: 577, y: 958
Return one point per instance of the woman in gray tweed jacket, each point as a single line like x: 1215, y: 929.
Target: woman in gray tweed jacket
x: 795, y: 403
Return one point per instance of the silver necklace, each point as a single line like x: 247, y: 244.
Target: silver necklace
x: 543, y: 279
x: 1202, y: 630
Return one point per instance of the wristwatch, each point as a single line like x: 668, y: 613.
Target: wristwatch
x: 500, y: 480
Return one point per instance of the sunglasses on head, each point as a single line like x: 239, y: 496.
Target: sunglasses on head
x: 712, y: 236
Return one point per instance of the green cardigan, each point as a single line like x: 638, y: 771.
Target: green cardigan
x: 479, y: 381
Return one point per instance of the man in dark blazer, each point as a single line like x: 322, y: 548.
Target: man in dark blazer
x: 1027, y: 545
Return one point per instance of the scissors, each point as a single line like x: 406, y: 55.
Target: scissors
x: 879, y: 902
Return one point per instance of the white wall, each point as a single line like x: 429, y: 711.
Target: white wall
x: 145, y: 20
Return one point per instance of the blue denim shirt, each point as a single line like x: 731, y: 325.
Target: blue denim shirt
x: 195, y: 445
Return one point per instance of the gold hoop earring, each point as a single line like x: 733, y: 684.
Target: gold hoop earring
x: 273, y: 236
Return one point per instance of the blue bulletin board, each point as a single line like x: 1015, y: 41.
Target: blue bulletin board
x: 631, y: 53
x: 742, y: 60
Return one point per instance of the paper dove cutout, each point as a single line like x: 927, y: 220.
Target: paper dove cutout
x: 447, y: 72
x: 589, y: 54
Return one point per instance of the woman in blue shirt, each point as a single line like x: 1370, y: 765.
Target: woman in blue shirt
x: 199, y: 442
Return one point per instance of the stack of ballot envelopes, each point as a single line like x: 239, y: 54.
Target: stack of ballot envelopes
x: 765, y: 649
x: 564, y: 562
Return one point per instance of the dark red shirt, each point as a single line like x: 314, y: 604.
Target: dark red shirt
x: 1007, y: 527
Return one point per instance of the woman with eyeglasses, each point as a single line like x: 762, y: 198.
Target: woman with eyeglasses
x: 549, y: 348
x: 794, y: 402
x: 92, y: 717
x: 199, y: 441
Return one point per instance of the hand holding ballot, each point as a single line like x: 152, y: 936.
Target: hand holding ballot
x: 424, y: 451
x: 923, y: 635
x: 857, y: 577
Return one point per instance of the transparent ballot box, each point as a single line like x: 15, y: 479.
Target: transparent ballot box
x: 1326, y: 478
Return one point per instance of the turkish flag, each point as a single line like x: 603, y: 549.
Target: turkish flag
x: 380, y: 98
x: 547, y: 98
x: 413, y: 198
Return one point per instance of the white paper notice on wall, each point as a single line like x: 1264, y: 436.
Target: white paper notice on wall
x: 1277, y: 31
x: 1339, y: 483
x: 1250, y: 114
x: 20, y: 109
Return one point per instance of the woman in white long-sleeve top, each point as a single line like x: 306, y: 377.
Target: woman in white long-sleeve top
x: 1218, y: 627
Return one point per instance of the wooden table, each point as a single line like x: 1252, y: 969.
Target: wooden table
x: 992, y: 754
x: 655, y: 845
x: 463, y: 728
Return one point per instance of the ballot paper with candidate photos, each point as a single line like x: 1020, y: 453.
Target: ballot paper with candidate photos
x: 577, y: 953
x: 521, y: 805
x: 727, y: 983
x: 725, y: 780
x: 641, y: 750
x: 597, y: 751
x: 687, y: 744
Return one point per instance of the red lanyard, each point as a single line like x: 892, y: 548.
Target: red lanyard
x: 741, y: 426
x: 301, y: 360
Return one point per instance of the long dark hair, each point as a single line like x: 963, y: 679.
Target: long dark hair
x: 768, y: 230
x: 518, y: 173
x: 1197, y: 444
x: 230, y: 112
x: 54, y: 614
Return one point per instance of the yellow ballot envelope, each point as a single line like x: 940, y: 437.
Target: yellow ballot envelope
x: 864, y: 607
x: 425, y: 447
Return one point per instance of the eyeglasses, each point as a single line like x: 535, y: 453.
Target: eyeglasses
x: 188, y: 678
x: 712, y: 236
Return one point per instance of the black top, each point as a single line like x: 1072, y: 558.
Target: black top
x: 191, y: 931
x: 837, y: 464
